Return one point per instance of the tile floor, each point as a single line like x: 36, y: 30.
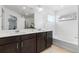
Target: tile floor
x: 55, y: 49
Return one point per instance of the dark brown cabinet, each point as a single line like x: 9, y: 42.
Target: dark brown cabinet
x: 29, y: 43
x: 28, y: 46
x: 41, y: 42
x: 49, y: 39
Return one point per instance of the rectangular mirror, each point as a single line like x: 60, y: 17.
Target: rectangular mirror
x: 29, y: 21
x: 16, y: 17
x: 12, y: 22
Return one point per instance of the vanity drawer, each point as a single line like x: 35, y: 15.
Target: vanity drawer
x: 41, y: 35
x: 29, y: 36
x: 9, y: 40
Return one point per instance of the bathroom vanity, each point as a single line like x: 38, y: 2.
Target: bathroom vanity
x: 20, y: 34
x: 26, y: 43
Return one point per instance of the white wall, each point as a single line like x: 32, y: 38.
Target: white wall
x: 67, y: 30
x: 41, y: 19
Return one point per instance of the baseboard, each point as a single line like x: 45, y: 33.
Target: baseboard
x: 68, y: 46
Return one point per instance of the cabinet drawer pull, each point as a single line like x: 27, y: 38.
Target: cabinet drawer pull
x: 17, y: 45
x: 22, y: 44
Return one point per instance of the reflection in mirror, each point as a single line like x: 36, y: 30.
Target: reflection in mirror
x: 29, y: 21
x: 12, y: 22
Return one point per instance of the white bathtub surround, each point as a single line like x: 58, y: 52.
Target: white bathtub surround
x: 67, y: 31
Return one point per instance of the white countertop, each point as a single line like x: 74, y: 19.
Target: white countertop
x: 21, y: 32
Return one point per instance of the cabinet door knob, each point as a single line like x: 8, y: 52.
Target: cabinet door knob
x: 21, y: 44
x: 17, y: 45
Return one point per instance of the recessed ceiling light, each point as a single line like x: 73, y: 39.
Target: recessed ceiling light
x: 40, y: 9
x: 24, y: 7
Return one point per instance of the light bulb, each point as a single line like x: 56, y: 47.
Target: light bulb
x: 40, y: 9
x: 24, y: 7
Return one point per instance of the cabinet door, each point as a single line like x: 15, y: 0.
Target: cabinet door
x: 28, y: 46
x: 49, y: 39
x: 41, y: 43
x: 9, y: 48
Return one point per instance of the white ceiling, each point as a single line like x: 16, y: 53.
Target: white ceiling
x: 30, y: 8
x: 19, y: 9
x: 53, y: 7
